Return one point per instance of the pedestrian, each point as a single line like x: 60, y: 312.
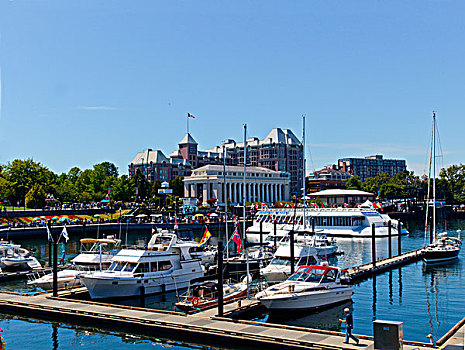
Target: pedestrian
x: 349, y: 321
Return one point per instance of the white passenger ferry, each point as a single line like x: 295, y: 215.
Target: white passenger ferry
x: 337, y: 222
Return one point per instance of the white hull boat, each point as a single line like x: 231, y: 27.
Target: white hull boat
x: 311, y: 287
x: 166, y: 265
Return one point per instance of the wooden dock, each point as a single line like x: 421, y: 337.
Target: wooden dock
x: 369, y: 269
x: 200, y: 328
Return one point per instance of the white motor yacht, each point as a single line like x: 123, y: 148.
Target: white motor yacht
x: 311, y: 287
x: 165, y: 265
x: 96, y: 254
x: 279, y: 269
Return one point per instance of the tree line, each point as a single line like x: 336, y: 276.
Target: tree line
x: 29, y: 183
x: 450, y: 185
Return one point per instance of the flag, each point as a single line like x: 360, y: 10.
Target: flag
x: 175, y: 222
x: 190, y: 115
x: 237, y: 239
x: 205, y: 238
x: 49, y: 234
x: 380, y: 206
x: 65, y: 234
x: 153, y: 231
x: 374, y: 205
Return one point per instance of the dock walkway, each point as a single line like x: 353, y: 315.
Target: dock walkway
x: 200, y: 328
x: 369, y: 269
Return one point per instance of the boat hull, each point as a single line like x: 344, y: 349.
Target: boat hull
x: 307, y: 300
x: 438, y: 255
x: 103, y: 287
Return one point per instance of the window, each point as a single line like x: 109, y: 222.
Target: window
x: 142, y: 267
x: 164, y: 265
x: 129, y: 267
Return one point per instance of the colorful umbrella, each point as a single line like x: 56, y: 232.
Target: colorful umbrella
x: 55, y: 218
x: 62, y: 219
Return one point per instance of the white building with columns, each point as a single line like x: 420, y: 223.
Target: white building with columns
x: 262, y: 185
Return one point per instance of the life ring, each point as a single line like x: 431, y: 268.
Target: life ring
x: 195, y: 301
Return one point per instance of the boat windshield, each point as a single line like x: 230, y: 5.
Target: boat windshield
x: 130, y: 267
x: 308, y: 275
x: 164, y: 240
x: 280, y: 261
x: 116, y: 266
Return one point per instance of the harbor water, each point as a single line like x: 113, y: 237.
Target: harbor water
x: 427, y: 299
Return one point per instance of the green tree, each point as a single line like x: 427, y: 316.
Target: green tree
x: 141, y: 184
x: 177, y: 185
x: 354, y: 182
x: 123, y: 189
x: 35, y: 197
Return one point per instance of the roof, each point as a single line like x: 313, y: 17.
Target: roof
x: 188, y: 140
x: 149, y: 156
x: 340, y: 192
x: 249, y: 169
x: 276, y: 135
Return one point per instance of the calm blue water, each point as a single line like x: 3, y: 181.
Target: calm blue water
x: 427, y: 300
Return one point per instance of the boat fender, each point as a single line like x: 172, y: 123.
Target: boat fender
x: 195, y: 301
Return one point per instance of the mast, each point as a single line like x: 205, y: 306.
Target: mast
x: 303, y: 167
x: 243, y: 208
x: 434, y: 175
x: 225, y: 196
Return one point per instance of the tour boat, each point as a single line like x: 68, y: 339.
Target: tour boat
x: 311, y: 287
x: 337, y: 222
x: 166, y: 265
x: 204, y: 295
x: 95, y: 254
x: 442, y: 248
x: 279, y: 269
x: 12, y: 256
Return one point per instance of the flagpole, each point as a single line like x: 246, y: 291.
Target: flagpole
x: 188, y: 123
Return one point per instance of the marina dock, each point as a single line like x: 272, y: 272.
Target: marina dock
x: 201, y: 328
x: 370, y: 269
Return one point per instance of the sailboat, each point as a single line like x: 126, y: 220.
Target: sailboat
x: 442, y: 248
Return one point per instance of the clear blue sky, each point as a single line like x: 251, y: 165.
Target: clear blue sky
x: 89, y: 81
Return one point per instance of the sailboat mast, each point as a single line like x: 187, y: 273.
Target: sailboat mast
x: 243, y: 210
x: 245, y: 169
x: 434, y: 175
x: 303, y: 169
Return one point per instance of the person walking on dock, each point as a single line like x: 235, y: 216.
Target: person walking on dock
x: 349, y: 321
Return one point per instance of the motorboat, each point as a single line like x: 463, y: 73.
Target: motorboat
x: 165, y: 265
x: 96, y: 254
x: 204, y: 295
x: 13, y: 257
x: 311, y: 287
x: 279, y: 269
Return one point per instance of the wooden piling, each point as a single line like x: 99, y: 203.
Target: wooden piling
x: 220, y: 278
x: 291, y: 242
x: 373, y: 245
x: 390, y: 238
x: 399, y: 240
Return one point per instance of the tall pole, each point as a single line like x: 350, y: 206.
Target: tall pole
x: 220, y: 279
x: 225, y: 196
x: 373, y: 245
x: 303, y: 168
x: 243, y: 209
x: 55, y: 263
x: 434, y: 175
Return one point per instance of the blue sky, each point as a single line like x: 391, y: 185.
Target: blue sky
x: 89, y: 81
